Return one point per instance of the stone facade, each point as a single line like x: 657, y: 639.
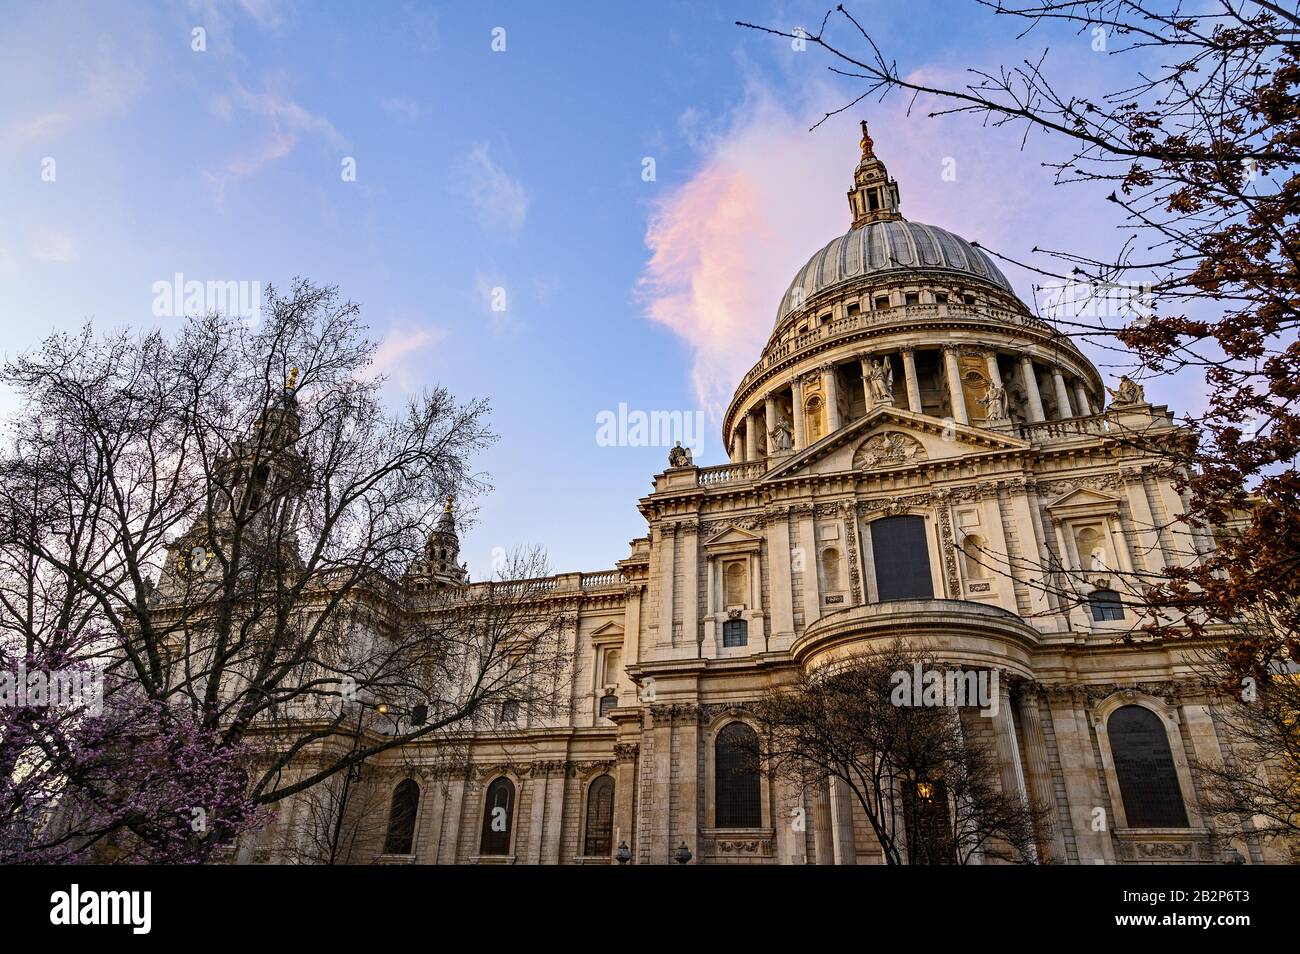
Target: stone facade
x: 903, y: 379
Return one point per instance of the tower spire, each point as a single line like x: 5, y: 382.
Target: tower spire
x: 874, y: 196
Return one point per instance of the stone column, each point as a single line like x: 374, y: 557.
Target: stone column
x: 667, y: 546
x: 690, y: 585
x: 1030, y: 382
x: 811, y: 589
x: 1081, y: 396
x: 909, y: 376
x: 449, y: 842
x: 832, y: 387
x: 1033, y: 544
x: 660, y: 848
x: 1038, y: 774
x: 686, y: 719
x: 791, y: 841
x: 535, y: 786
x: 769, y: 412
x: 737, y: 447
x: 1004, y: 734
x: 778, y: 543
x: 841, y: 799
x: 991, y: 362
x: 823, y: 842
x: 1062, y: 395
x: 1080, y: 774
x: 625, y: 794
x: 751, y: 438
x: 1144, y: 521
x: 796, y: 390
x: 955, y: 396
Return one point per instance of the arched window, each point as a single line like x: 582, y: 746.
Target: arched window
x: 831, y: 568
x: 599, y: 836
x: 498, y: 818
x: 735, y: 632
x: 607, y: 703
x: 1148, y: 781
x: 972, y: 549
x: 902, y: 559
x: 401, y: 818
x: 736, y: 789
x: 1105, y: 604
x: 813, y: 427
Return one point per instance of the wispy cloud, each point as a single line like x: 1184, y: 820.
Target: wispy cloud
x: 500, y: 201
x: 288, y: 123
x: 54, y: 247
x: 397, y: 346
x: 110, y: 79
x: 407, y: 110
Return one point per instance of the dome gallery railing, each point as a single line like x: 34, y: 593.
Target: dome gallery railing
x: 889, y: 316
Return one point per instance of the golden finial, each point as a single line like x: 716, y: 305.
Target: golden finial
x: 450, y: 500
x: 866, y: 143
x: 293, y: 380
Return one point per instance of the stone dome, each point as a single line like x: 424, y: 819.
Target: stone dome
x: 885, y: 248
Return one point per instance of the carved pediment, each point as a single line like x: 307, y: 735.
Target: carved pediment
x: 892, y: 437
x: 888, y: 449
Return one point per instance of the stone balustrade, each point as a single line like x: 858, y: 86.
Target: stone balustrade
x: 730, y: 473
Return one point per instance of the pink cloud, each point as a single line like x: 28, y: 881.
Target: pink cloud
x: 725, y: 244
x: 767, y: 194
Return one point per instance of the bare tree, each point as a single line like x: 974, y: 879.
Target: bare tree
x: 930, y: 792
x: 1254, y: 791
x: 242, y: 527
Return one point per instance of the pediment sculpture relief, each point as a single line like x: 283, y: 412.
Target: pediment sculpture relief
x: 890, y: 449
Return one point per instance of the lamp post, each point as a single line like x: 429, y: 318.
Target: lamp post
x: 682, y: 855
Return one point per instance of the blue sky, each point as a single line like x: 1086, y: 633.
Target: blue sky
x: 478, y: 170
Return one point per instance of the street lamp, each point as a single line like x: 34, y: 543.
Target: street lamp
x: 682, y: 855
x: 624, y: 854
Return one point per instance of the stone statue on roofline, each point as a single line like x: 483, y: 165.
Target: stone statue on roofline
x: 679, y: 456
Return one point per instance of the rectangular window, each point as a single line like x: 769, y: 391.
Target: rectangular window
x: 912, y: 298
x: 882, y: 304
x: 902, y: 559
x: 735, y: 632
x: 854, y: 309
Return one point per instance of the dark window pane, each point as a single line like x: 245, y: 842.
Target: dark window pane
x: 735, y: 632
x: 607, y: 703
x: 902, y: 559
x: 401, y: 818
x: 498, y: 817
x: 929, y: 827
x: 1106, y: 604
x: 1144, y: 766
x: 737, y: 793
x: 600, y: 817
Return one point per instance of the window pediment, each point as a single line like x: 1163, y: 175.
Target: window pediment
x: 1083, y: 502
